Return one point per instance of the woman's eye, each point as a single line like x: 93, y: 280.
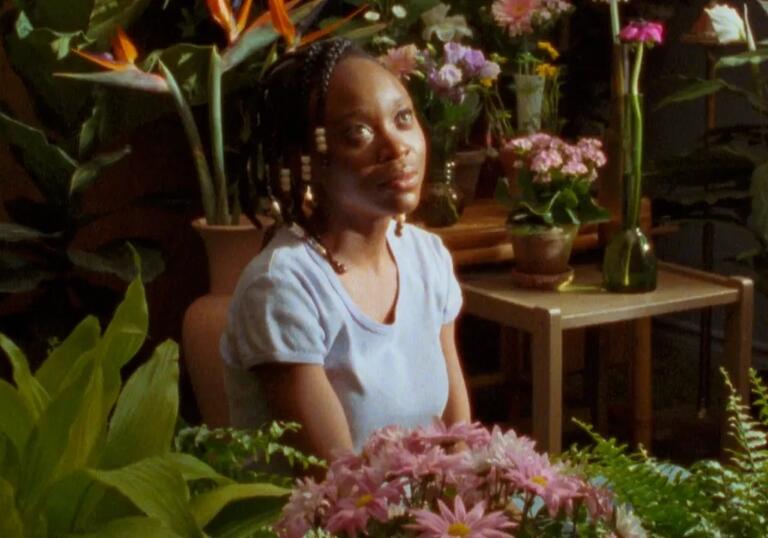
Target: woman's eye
x: 358, y: 133
x: 405, y: 117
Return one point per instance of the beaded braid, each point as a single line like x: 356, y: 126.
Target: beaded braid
x: 287, y: 128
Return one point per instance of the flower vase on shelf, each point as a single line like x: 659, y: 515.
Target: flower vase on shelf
x: 441, y: 203
x: 629, y: 263
x: 529, y: 95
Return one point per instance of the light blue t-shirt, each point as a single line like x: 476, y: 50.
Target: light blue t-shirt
x: 290, y: 307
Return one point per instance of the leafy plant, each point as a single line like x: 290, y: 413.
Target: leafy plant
x: 709, y: 499
x: 81, y: 454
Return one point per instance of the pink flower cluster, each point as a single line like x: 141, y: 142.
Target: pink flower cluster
x: 462, y: 480
x: 551, y: 158
x: 521, y: 17
x: 643, y: 32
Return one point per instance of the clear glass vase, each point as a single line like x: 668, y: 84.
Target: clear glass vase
x: 629, y: 263
x: 441, y: 203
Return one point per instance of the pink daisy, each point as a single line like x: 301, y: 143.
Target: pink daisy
x: 459, y: 522
x: 401, y: 61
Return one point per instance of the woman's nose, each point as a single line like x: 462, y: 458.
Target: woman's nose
x: 393, y: 146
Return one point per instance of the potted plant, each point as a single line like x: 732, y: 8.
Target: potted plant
x: 183, y: 73
x: 552, y: 197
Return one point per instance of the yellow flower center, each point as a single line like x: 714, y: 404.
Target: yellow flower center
x: 540, y: 480
x: 458, y: 529
x: 363, y: 500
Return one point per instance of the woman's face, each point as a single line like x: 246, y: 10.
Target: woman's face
x: 376, y: 147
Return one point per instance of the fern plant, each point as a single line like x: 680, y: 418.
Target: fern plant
x: 712, y: 498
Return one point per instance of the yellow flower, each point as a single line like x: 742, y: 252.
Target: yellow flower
x: 487, y: 82
x: 547, y: 70
x: 547, y: 47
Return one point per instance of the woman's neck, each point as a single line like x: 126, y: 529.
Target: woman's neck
x: 360, y: 244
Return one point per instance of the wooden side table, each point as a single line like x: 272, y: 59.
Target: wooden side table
x: 546, y: 314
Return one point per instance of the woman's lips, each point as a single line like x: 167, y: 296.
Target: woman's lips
x: 405, y: 180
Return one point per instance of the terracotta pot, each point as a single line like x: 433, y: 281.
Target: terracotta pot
x: 545, y: 251
x: 467, y: 172
x: 229, y: 249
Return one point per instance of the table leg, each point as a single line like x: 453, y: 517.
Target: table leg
x: 642, y: 392
x: 738, y: 344
x: 547, y: 369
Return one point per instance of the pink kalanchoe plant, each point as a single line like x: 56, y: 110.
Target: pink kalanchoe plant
x: 459, y: 480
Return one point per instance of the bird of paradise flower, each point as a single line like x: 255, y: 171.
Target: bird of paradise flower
x: 243, y: 40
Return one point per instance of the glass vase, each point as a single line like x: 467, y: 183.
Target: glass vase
x: 629, y: 263
x: 529, y: 97
x: 441, y: 203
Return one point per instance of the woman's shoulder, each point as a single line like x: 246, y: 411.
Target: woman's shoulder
x: 421, y: 242
x: 284, y: 257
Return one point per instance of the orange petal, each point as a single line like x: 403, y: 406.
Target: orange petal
x: 221, y: 12
x: 262, y: 19
x: 281, y: 21
x: 242, y: 15
x: 124, y: 49
x: 317, y: 34
x: 100, y: 60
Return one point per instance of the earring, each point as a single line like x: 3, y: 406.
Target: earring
x: 399, y: 224
x: 285, y: 180
x: 321, y: 144
x: 306, y: 169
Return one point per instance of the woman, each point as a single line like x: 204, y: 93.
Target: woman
x: 344, y: 322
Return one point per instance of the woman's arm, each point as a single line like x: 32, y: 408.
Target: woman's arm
x: 457, y: 408
x: 302, y: 393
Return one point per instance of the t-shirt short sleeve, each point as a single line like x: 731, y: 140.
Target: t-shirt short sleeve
x: 274, y: 320
x: 450, y: 285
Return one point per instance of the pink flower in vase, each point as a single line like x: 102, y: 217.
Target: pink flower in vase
x: 402, y: 61
x: 643, y: 32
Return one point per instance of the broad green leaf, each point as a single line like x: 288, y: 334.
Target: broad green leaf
x: 130, y: 78
x: 55, y: 368
x: 116, y: 259
x: 737, y: 60
x: 87, y: 173
x: 107, y: 15
x: 157, y: 489
x: 64, y: 435
x: 192, y: 468
x: 189, y: 65
x: 23, y: 281
x: 36, y: 53
x: 15, y: 417
x: 69, y: 16
x: 11, y: 525
x: 144, y: 418
x: 206, y: 505
x: 363, y: 33
x: 10, y: 232
x: 246, y: 519
x: 9, y: 460
x: 31, y: 391
x: 131, y: 527
x: 68, y: 502
x: 696, y: 90
x: 759, y: 191
x: 49, y: 165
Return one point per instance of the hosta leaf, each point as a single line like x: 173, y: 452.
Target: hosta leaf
x: 206, y: 505
x: 144, y: 418
x: 11, y: 524
x: 157, y: 489
x: 131, y: 527
x: 55, y: 368
x: 33, y: 394
x: 15, y: 418
x: 192, y: 468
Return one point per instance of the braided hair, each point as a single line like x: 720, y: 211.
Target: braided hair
x: 291, y: 105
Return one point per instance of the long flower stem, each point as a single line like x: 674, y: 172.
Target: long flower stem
x: 196, y: 145
x: 217, y: 137
x: 636, y: 111
x: 615, y: 24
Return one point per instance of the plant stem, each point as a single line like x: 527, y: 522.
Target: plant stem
x: 615, y: 24
x: 193, y: 136
x: 637, y: 140
x: 217, y: 137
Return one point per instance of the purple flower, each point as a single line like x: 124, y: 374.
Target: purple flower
x: 446, y: 78
x: 490, y: 70
x: 454, y: 52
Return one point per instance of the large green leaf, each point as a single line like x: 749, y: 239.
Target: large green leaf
x: 116, y: 259
x: 49, y: 165
x: 144, y: 418
x: 31, y: 391
x: 189, y: 65
x: 206, y: 505
x: 36, y: 53
x: 15, y: 418
x: 9, y: 461
x: 131, y: 527
x: 107, y: 15
x: 55, y: 368
x: 737, y: 60
x: 157, y: 489
x: 10, y: 520
x: 23, y: 281
x: 696, y: 90
x: 87, y: 173
x: 64, y: 436
x: 192, y: 468
x: 129, y: 78
x: 759, y: 191
x: 10, y: 232
x: 246, y: 519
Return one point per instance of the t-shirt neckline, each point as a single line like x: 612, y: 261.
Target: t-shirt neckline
x: 361, y: 317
